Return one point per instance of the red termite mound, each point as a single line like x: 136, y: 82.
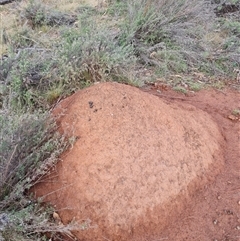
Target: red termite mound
x: 136, y: 163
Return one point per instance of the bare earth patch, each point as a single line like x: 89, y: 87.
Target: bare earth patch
x: 144, y: 168
x: 214, y: 211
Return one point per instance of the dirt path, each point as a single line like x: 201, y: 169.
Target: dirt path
x: 214, y: 213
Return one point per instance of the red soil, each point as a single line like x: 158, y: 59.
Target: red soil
x: 151, y: 201
x: 214, y: 212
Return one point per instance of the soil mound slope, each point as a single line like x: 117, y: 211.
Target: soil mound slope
x: 136, y: 163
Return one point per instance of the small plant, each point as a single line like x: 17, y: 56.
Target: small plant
x: 236, y: 112
x: 170, y: 61
x: 29, y: 78
x: 39, y: 15
x: 29, y: 146
x: 27, y: 149
x: 35, y: 221
x: 54, y: 94
x: 117, y: 8
x: 35, y: 13
x: 180, y: 89
x: 231, y: 26
x: 194, y: 86
x: 91, y: 55
x: 22, y: 39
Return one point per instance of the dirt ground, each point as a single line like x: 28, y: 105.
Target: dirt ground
x: 214, y: 212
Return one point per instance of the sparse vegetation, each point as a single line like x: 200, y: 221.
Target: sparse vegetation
x: 48, y: 53
x: 236, y: 112
x: 29, y: 147
x: 38, y: 15
x: 180, y: 89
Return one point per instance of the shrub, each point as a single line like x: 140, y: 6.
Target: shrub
x: 171, y: 35
x: 92, y: 55
x: 82, y: 56
x: 29, y: 147
x: 28, y: 77
x: 38, y: 15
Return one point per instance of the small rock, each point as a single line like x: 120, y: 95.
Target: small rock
x: 232, y: 117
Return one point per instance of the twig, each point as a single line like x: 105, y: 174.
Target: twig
x: 37, y: 49
x: 59, y: 189
x: 8, y: 164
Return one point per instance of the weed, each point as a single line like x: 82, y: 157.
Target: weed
x: 22, y: 39
x: 35, y: 222
x: 194, y: 86
x: 26, y: 144
x: 92, y: 55
x: 84, y: 55
x: 117, y: 9
x: 39, y: 15
x: 218, y: 85
x: 29, y: 147
x: 28, y: 78
x: 53, y: 94
x: 170, y: 61
x: 236, y: 112
x: 180, y: 89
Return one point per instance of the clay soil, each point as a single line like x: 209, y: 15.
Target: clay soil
x: 214, y: 212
